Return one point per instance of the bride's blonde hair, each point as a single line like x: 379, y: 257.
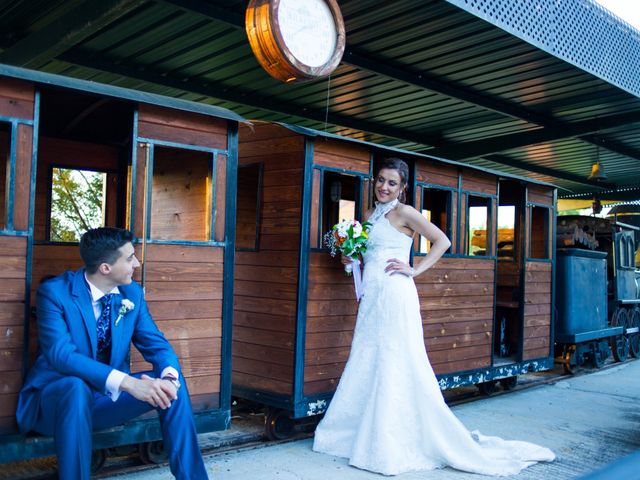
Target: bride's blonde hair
x: 394, y: 163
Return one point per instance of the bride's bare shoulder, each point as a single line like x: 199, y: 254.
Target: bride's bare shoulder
x: 406, y: 210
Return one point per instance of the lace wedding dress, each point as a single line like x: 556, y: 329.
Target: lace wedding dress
x: 388, y: 414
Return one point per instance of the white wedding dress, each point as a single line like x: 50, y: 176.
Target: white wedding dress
x: 388, y: 414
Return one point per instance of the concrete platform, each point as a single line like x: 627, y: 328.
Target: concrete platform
x: 588, y: 421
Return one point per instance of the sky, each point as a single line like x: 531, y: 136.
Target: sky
x: 628, y: 10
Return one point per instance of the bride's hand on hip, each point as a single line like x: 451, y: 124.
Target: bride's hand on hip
x: 395, y: 265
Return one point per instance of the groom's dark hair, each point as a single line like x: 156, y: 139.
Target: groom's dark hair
x: 100, y: 245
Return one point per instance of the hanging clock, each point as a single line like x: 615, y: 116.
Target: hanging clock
x: 296, y: 40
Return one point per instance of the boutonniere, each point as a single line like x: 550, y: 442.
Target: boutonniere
x: 125, y: 307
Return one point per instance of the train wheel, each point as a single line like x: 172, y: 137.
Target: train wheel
x: 488, y: 388
x: 619, y: 343
x: 567, y: 352
x: 597, y: 355
x: 278, y: 424
x: 633, y: 329
x: 98, y: 459
x: 509, y: 383
x: 152, y: 453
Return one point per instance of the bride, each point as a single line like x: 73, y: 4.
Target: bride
x: 388, y: 414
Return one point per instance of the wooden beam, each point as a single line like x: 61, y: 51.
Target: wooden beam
x: 243, y: 97
x: 479, y: 148
x: 550, y: 172
x: 66, y: 32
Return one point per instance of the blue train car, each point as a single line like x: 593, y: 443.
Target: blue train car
x: 597, y: 298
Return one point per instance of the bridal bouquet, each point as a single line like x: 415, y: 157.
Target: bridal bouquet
x: 349, y: 238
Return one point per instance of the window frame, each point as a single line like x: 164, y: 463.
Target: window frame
x: 491, y: 227
x: 422, y: 188
x: 547, y: 237
x: 360, y: 178
x: 256, y: 246
x: 64, y: 166
x: 213, y: 153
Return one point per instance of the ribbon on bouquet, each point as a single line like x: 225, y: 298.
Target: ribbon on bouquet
x: 354, y: 267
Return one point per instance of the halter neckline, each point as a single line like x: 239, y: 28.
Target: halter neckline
x: 381, y: 210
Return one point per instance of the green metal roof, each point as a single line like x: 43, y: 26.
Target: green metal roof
x: 507, y: 88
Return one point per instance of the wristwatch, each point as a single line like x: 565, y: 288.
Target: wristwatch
x: 172, y: 379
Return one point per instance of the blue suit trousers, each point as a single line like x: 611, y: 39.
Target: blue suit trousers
x: 70, y: 411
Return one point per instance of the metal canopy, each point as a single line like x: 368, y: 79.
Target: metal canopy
x: 501, y: 85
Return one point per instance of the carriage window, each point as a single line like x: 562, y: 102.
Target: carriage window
x: 181, y: 194
x: 478, y: 222
x: 631, y: 252
x: 5, y: 153
x: 626, y: 251
x: 539, y: 233
x: 248, y: 207
x: 436, y: 207
x: 338, y: 199
x: 77, y: 203
x: 506, y: 231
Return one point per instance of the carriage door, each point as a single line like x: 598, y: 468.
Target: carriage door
x: 178, y: 218
x: 624, y: 271
x: 536, y: 278
x: 509, y: 289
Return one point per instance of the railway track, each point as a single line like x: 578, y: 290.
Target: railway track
x: 247, y: 432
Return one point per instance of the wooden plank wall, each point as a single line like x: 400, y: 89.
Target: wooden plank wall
x: 247, y: 203
x: 537, y: 310
x: 184, y: 283
x: 181, y: 127
x: 16, y: 101
x: 183, y: 288
x: 540, y: 194
x: 266, y: 281
x: 456, y: 303
x: 342, y: 155
x: 479, y: 182
x: 331, y: 305
x: 331, y: 318
x: 180, y: 195
x: 13, y: 252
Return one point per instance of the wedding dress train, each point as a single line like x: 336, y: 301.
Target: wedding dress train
x: 388, y: 414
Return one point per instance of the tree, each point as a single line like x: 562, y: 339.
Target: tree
x: 77, y: 203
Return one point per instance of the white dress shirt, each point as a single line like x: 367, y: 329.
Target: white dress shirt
x: 115, y: 378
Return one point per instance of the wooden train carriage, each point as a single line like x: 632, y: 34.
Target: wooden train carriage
x: 164, y: 168
x: 486, y: 305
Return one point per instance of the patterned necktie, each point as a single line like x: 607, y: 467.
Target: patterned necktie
x: 104, y: 324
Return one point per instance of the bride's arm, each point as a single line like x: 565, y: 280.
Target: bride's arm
x: 439, y: 241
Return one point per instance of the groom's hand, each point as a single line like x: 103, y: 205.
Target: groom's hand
x: 156, y: 392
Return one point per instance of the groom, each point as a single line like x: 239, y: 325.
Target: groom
x: 81, y: 381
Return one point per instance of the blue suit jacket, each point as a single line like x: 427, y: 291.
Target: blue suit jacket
x: 68, y: 340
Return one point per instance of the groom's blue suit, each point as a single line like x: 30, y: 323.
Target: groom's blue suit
x: 64, y: 393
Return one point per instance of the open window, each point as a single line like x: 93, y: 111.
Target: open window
x: 506, y: 232
x: 478, y: 238
x: 340, y: 199
x: 77, y: 202
x: 248, y: 206
x: 436, y: 208
x: 539, y: 247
